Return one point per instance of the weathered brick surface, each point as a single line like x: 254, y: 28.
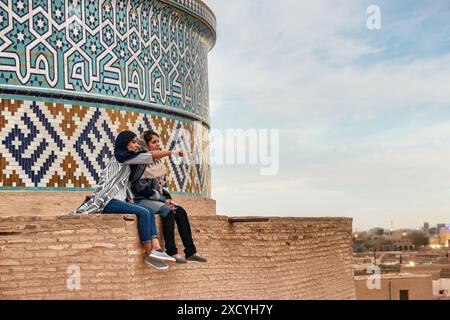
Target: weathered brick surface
x: 284, y: 258
x: 51, y: 203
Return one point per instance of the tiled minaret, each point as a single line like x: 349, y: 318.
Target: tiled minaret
x: 74, y: 73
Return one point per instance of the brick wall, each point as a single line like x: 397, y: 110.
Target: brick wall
x: 283, y: 258
x: 51, y: 203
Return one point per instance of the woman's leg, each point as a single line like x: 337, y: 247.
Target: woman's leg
x: 146, y: 221
x: 153, y: 227
x: 184, y: 229
x: 168, y: 223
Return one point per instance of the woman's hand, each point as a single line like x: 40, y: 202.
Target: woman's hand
x: 179, y: 153
x: 170, y: 203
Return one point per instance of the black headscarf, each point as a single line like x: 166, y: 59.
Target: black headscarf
x: 120, y: 149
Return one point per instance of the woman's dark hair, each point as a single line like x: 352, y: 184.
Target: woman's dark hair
x: 148, y: 135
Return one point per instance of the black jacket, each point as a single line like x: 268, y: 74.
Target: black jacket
x: 145, y: 189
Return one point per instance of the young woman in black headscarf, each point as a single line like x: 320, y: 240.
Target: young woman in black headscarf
x: 113, y: 192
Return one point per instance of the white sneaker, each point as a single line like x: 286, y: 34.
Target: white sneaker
x: 160, y: 255
x: 154, y: 263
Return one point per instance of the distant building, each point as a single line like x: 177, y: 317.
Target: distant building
x: 440, y: 226
x: 426, y: 228
x: 442, y: 240
x: 444, y: 237
x: 434, y: 242
x: 401, y: 286
x: 402, y: 245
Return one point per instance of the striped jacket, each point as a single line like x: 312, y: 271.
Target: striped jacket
x: 113, y: 179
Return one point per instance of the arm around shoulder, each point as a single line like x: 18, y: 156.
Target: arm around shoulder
x: 142, y: 158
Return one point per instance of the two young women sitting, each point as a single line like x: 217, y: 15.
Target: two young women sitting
x: 138, y: 164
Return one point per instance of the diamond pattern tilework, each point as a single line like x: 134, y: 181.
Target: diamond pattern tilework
x: 59, y: 145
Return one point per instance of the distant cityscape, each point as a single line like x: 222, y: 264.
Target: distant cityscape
x: 409, y: 264
x: 380, y: 239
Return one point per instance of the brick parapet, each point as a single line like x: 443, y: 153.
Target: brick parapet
x: 282, y: 258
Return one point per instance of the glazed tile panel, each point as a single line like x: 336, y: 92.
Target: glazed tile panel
x: 54, y: 145
x: 198, y: 8
x: 74, y: 73
x: 147, y: 52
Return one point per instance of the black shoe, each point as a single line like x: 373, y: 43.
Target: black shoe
x: 179, y: 260
x: 196, y: 258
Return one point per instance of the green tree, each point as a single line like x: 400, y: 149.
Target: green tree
x: 419, y: 239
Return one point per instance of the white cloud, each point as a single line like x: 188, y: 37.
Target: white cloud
x: 306, y: 67
x: 297, y: 56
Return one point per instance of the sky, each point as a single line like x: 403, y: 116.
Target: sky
x: 363, y: 114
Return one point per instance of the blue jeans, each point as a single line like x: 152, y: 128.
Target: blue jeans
x: 146, y: 217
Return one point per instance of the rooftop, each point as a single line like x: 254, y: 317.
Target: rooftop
x: 388, y: 276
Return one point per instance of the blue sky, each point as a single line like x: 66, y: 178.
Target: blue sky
x: 364, y: 115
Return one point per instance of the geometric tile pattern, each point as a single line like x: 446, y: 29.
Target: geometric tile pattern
x: 58, y: 145
x: 142, y: 51
x: 198, y: 8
